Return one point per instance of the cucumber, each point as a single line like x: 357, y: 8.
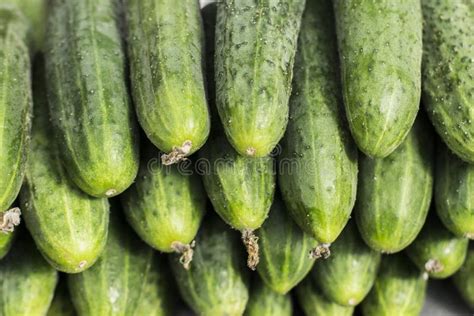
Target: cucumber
x: 27, y: 281
x: 380, y: 49
x: 464, y: 278
x: 286, y: 251
x: 313, y: 302
x: 454, y: 187
x: 240, y: 188
x: 394, y: 193
x: 6, y: 241
x: 398, y: 290
x: 255, y: 48
x: 62, y: 304
x: 264, y: 301
x: 35, y: 11
x: 168, y: 83
x: 448, y: 83
x: 346, y: 278
x: 68, y: 226
x: 217, y: 283
x: 88, y: 99
x: 165, y: 205
x: 318, y: 165
x: 437, y: 251
x: 113, y: 285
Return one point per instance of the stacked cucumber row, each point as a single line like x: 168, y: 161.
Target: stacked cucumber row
x: 159, y: 154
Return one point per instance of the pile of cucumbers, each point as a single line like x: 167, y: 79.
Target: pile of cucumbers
x: 258, y: 157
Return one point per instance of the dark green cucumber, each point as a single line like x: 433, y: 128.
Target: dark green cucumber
x: 88, y: 97
x: 313, y: 302
x: 167, y: 82
x: 448, y: 67
x: 285, y: 250
x: 240, y: 188
x: 6, y: 241
x: 61, y: 304
x: 464, y: 278
x: 165, y: 205
x: 346, y: 278
x: 318, y: 165
x: 266, y: 302
x: 380, y: 48
x: 398, y: 290
x: 394, y: 193
x: 35, y: 11
x: 217, y: 283
x: 27, y: 281
x: 255, y: 48
x: 454, y: 192
x: 68, y: 226
x: 113, y: 285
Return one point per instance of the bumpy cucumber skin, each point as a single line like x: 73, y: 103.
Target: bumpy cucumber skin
x: 6, y: 241
x: 380, y: 49
x: 448, y: 67
x: 437, y: 244
x: 61, y: 304
x: 394, y: 193
x: 166, y: 204
x: 454, y: 192
x: 240, y: 188
x: 266, y: 302
x: 113, y: 285
x: 464, y: 278
x: 255, y: 48
x: 347, y: 276
x: 313, y: 302
x: 27, y: 281
x: 88, y: 98
x: 318, y: 165
x: 399, y: 289
x: 217, y: 282
x: 69, y: 227
x: 165, y: 45
x: 284, y: 250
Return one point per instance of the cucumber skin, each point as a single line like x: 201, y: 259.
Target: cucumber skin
x: 319, y: 192
x: 399, y: 289
x: 464, y: 278
x: 168, y: 83
x: 6, y: 241
x: 284, y: 250
x: 380, y: 49
x: 387, y: 219
x: 61, y: 304
x: 165, y: 204
x: 448, y: 83
x: 435, y: 242
x: 69, y: 227
x: 454, y: 185
x: 266, y: 302
x: 255, y: 48
x: 347, y: 276
x: 35, y: 11
x: 217, y: 282
x: 240, y: 188
x: 89, y: 103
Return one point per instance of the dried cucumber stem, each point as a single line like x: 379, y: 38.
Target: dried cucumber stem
x: 186, y: 251
x: 250, y: 241
x: 319, y: 251
x: 177, y: 154
x: 433, y: 266
x: 10, y: 219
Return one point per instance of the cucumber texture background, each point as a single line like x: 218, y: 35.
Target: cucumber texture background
x: 464, y: 278
x: 264, y: 301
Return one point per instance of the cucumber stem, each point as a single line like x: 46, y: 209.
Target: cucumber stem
x: 433, y: 266
x: 320, y: 251
x: 250, y: 241
x: 186, y: 251
x: 177, y: 154
x: 10, y: 219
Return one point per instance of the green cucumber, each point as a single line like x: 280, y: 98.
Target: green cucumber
x: 62, y: 304
x: 35, y: 11
x: 380, y: 49
x: 346, y: 278
x: 464, y: 278
x: 68, y: 226
x: 394, y: 193
x: 165, y: 205
x: 266, y: 302
x: 437, y: 251
x: 27, y: 281
x: 255, y: 48
x: 454, y: 192
x: 217, y: 283
x: 318, y: 165
x: 167, y: 82
x: 6, y: 242
x: 113, y: 285
x: 88, y: 98
x: 286, y: 252
x: 448, y: 65
x: 240, y: 188
x: 313, y: 302
x: 399, y: 289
